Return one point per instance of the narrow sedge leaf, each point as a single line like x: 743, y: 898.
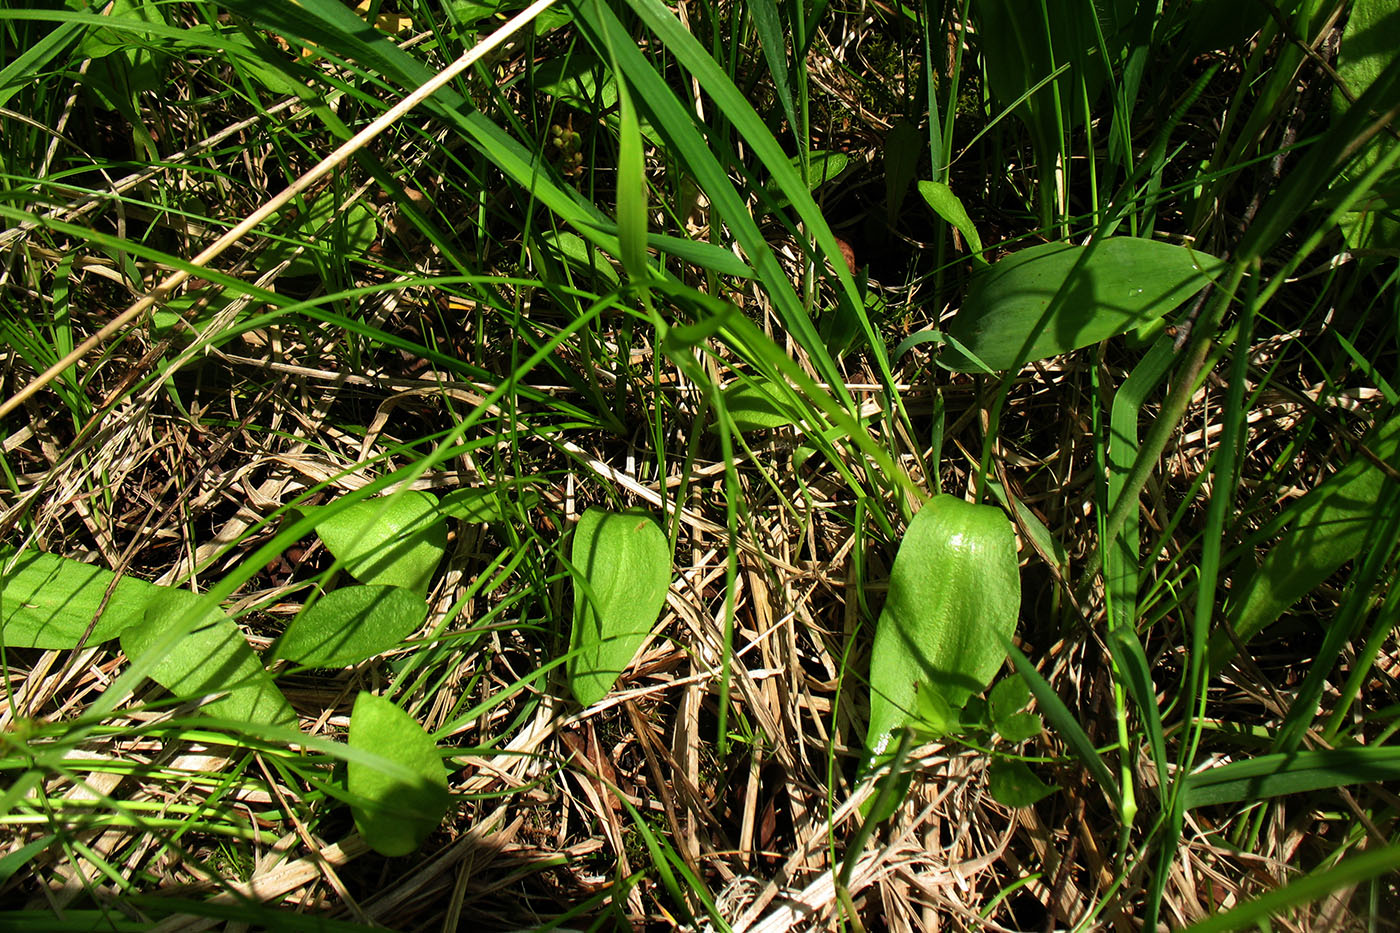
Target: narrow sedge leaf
x: 950, y: 207
x: 1290, y: 773
x: 631, y: 191
x: 49, y: 601
x: 954, y: 595
x: 351, y: 624
x: 1057, y: 297
x: 1065, y: 724
x: 903, y: 146
x: 214, y: 658
x: 622, y: 567
x: 397, y: 540
x: 12, y: 862
x: 403, y: 801
x: 773, y: 39
x: 1346, y: 875
x: 1325, y: 529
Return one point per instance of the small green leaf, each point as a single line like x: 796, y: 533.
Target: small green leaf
x: 396, y: 540
x: 403, y: 800
x: 49, y: 601
x: 350, y: 624
x: 934, y: 717
x: 1057, y: 297
x: 581, y: 256
x: 954, y: 595
x: 1008, y: 698
x: 622, y: 569
x: 1013, y: 784
x: 822, y: 166
x: 214, y: 658
x: 1019, y: 726
x: 947, y: 205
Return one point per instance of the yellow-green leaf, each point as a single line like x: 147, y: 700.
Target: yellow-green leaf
x: 48, y: 601
x: 622, y: 567
x: 403, y: 797
x: 350, y: 624
x: 397, y: 540
x: 954, y: 595
x: 213, y: 658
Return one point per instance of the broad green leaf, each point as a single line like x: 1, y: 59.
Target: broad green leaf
x: 622, y: 567
x: 1057, y: 297
x: 122, y: 66
x: 483, y: 504
x: 954, y: 594
x: 49, y: 601
x: 397, y: 540
x: 579, y: 80
x: 580, y: 255
x: 324, y: 223
x: 469, y: 12
x: 1325, y: 529
x: 350, y: 624
x: 214, y: 658
x: 403, y: 800
x: 947, y: 205
x: 100, y: 42
x: 1370, y: 43
x: 751, y: 408
x: 1014, y: 784
x: 1216, y: 25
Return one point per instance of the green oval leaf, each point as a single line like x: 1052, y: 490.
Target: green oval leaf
x: 1057, y: 297
x: 1013, y: 784
x: 350, y: 624
x: 954, y: 594
x: 356, y: 228
x: 752, y: 408
x: 403, y: 798
x: 622, y: 567
x: 484, y: 504
x: 48, y: 601
x: 213, y: 658
x: 398, y: 540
